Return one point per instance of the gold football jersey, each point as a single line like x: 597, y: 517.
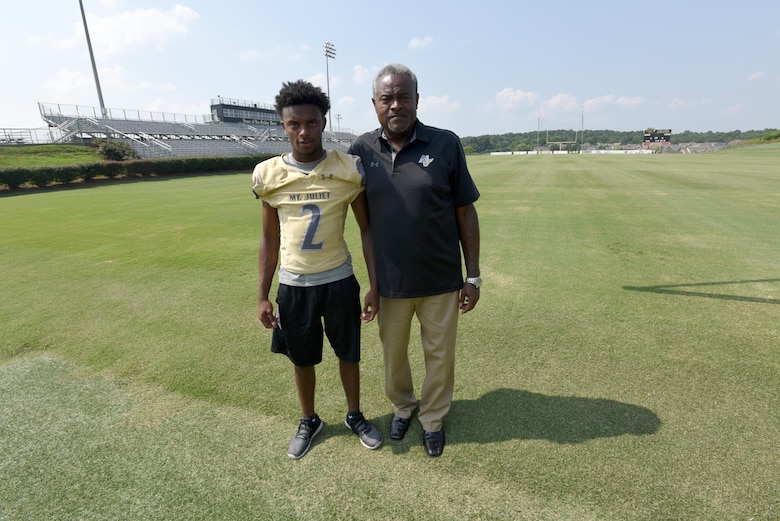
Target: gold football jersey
x: 312, y: 208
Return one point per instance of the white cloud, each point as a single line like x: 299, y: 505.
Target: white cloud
x: 510, y: 99
x: 601, y: 101
x: 630, y: 102
x: 756, y: 75
x: 561, y: 102
x: 602, y: 104
x: 274, y: 53
x: 66, y: 82
x: 140, y: 28
x: 318, y: 80
x: 420, y: 43
x: 321, y: 80
x: 179, y: 107
x: 438, y: 104
x: 125, y: 31
x: 346, y: 101
x: 676, y: 103
x: 162, y: 87
x: 250, y: 55
x: 734, y: 109
x: 114, y: 83
x: 114, y: 75
x: 49, y: 41
x: 361, y: 75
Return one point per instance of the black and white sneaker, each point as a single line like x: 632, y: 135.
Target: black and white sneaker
x: 369, y: 435
x: 301, y: 442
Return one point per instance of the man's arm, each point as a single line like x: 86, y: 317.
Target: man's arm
x: 268, y: 257
x: 468, y: 227
x: 371, y: 302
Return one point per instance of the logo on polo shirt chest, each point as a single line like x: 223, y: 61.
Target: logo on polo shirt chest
x: 425, y: 160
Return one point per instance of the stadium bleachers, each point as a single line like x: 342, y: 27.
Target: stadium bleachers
x: 156, y: 135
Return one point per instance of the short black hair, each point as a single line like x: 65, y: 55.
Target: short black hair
x: 301, y: 93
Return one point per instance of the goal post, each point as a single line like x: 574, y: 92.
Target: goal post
x: 562, y: 133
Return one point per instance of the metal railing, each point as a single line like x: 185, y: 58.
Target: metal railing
x: 58, y: 110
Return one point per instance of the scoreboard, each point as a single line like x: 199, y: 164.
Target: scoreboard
x: 657, y: 136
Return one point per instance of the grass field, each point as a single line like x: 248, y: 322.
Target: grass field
x: 622, y: 364
x: 47, y: 155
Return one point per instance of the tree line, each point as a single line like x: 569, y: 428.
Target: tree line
x: 601, y: 138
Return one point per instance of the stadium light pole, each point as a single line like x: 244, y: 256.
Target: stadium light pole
x: 92, y: 59
x: 330, y: 53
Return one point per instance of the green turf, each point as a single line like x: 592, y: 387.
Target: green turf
x: 622, y: 363
x: 47, y: 155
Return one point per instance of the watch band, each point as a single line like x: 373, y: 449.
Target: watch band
x: 475, y: 281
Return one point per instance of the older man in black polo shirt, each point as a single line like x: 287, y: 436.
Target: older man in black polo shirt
x: 421, y: 206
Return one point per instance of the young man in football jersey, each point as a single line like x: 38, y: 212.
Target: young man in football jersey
x: 306, y: 195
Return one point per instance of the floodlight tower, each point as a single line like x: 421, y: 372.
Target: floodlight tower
x: 92, y: 58
x: 330, y: 52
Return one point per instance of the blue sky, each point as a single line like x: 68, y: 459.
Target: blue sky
x: 484, y: 67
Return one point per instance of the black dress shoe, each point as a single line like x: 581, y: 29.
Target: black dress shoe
x: 398, y: 427
x: 434, y: 443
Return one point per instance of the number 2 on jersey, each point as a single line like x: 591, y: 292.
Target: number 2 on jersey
x: 314, y: 225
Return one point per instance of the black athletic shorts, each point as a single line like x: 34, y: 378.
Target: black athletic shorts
x: 304, y: 310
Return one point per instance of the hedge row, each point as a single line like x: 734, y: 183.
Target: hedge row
x: 46, y: 175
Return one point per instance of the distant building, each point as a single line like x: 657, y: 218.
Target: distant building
x: 228, y: 110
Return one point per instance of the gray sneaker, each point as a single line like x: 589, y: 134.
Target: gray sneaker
x: 369, y: 435
x: 301, y: 442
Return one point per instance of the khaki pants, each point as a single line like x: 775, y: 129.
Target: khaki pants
x: 438, y: 317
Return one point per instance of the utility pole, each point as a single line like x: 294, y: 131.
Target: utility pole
x: 94, y: 67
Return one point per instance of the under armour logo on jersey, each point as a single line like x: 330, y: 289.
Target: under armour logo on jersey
x: 326, y: 176
x: 425, y: 160
x: 374, y: 164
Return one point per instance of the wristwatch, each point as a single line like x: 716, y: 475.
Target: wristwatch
x: 474, y: 281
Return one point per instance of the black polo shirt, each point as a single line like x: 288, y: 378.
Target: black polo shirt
x: 411, y: 203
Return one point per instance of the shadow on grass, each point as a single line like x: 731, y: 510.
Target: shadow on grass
x: 507, y: 414
x: 510, y: 414
x: 688, y: 291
